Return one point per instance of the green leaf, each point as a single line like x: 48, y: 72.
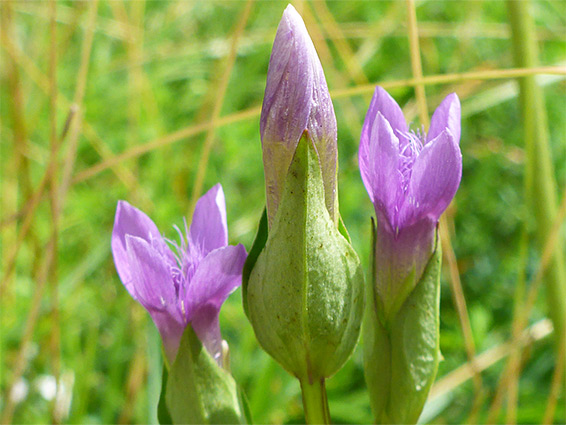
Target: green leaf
x: 198, y: 390
x: 342, y: 229
x: 305, y: 293
x: 257, y: 247
x: 163, y: 415
x: 401, y: 360
x: 245, y: 405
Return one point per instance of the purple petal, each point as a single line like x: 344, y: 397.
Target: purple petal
x: 131, y: 221
x: 383, y: 102
x: 366, y: 169
x: 380, y: 168
x: 216, y: 277
x: 323, y: 130
x: 155, y: 290
x: 209, y: 229
x: 434, y: 181
x: 206, y: 326
x: 398, y: 254
x: 446, y: 116
x: 287, y: 100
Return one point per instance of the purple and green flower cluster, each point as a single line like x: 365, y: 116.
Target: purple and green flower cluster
x: 303, y: 287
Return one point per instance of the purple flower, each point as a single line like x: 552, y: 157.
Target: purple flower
x: 296, y: 99
x: 411, y: 177
x: 186, y: 284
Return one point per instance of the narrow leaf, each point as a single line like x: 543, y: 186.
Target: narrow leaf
x: 163, y: 415
x: 257, y: 247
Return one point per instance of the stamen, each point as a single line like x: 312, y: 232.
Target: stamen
x: 411, y: 144
x: 187, y: 258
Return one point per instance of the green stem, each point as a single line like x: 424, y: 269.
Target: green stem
x: 315, y: 402
x: 540, y: 183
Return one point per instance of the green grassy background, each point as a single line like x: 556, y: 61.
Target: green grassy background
x: 157, y: 68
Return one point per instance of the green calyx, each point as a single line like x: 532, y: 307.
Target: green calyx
x: 197, y: 390
x: 401, y: 354
x: 304, y: 296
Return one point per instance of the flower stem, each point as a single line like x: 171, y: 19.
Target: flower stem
x: 315, y: 402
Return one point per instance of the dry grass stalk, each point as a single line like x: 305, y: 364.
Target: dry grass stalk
x: 220, y: 94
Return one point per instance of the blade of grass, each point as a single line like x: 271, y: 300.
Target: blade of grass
x: 518, y: 305
x: 459, y: 299
x: 555, y: 387
x: 322, y: 46
x: 75, y: 126
x: 220, y: 94
x: 75, y: 129
x: 416, y: 64
x: 134, y: 49
x: 497, y: 94
x: 387, y: 26
x: 47, y: 271
x: 20, y: 363
x: 164, y: 141
x: 435, y: 29
x: 465, y: 42
x: 54, y: 203
x: 66, y: 35
x: 508, y: 380
x: 21, y: 167
x: 464, y: 373
x: 42, y: 81
x: 492, y: 74
x: 138, y: 366
x: 334, y: 32
x: 521, y: 318
x: 540, y: 184
x: 448, y: 251
x: 28, y: 217
x: 254, y: 112
x: 368, y: 32
x: 106, y: 26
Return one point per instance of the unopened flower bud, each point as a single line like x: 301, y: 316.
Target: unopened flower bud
x: 296, y: 99
x: 305, y: 292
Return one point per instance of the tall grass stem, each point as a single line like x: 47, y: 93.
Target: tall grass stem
x: 540, y: 183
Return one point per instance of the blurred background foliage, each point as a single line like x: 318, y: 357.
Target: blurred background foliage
x: 156, y: 101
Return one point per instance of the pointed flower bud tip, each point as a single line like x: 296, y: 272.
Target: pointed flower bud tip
x: 180, y: 283
x: 296, y: 99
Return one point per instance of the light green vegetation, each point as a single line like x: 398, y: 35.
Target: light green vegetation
x: 172, y: 94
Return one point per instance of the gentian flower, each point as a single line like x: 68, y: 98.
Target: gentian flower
x: 296, y: 99
x: 181, y: 283
x: 411, y: 177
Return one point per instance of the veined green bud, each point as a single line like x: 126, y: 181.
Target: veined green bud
x: 401, y: 353
x: 304, y: 296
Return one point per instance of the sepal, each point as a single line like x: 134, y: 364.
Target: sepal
x: 401, y: 354
x: 198, y: 391
x: 305, y: 292
x: 163, y: 415
x: 257, y: 247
